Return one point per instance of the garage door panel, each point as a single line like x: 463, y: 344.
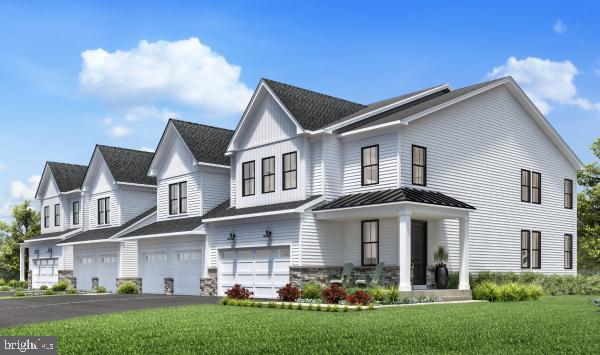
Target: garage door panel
x: 187, y: 269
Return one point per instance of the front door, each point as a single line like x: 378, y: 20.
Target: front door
x: 418, y: 245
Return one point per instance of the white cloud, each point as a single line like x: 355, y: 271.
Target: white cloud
x: 119, y: 131
x: 545, y: 81
x: 107, y: 121
x: 149, y: 112
x: 2, y: 166
x: 560, y: 27
x: 6, y: 211
x: 147, y: 149
x: 24, y: 190
x: 186, y: 72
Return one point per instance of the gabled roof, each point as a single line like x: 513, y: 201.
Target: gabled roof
x: 99, y: 234
x: 128, y: 165
x: 177, y: 225
x: 50, y: 235
x: 311, y: 109
x: 403, y: 194
x: 207, y: 143
x: 225, y: 211
x: 68, y: 177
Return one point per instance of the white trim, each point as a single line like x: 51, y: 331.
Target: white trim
x: 90, y: 242
x: 60, y: 237
x: 387, y: 107
x: 254, y: 246
x: 134, y: 184
x: 400, y: 203
x: 193, y: 232
x: 70, y: 192
x: 366, y: 129
x: 213, y: 165
x: 262, y: 85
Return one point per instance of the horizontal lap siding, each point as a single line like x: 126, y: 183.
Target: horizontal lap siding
x: 333, y: 158
x: 388, y: 241
x: 67, y: 257
x: 316, y: 168
x: 475, y: 152
x: 115, y: 212
x: 232, y: 181
x: 388, y: 163
x: 322, y: 241
x: 135, y: 202
x: 250, y: 234
x: 194, y: 194
x: 215, y: 189
x: 129, y: 260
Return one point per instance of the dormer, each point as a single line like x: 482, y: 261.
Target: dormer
x: 116, y: 186
x: 60, y: 196
x: 191, y: 169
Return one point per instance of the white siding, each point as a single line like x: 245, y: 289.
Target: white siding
x: 333, y: 166
x: 194, y: 194
x: 322, y: 242
x: 285, y: 231
x: 277, y: 150
x: 128, y: 259
x: 115, y: 209
x: 388, y: 163
x: 135, y: 201
x: 215, y: 187
x: 315, y: 171
x: 232, y: 181
x: 51, y: 202
x: 179, y: 160
x: 66, y: 261
x: 475, y: 151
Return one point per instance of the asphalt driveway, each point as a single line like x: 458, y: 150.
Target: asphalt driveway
x: 25, y: 310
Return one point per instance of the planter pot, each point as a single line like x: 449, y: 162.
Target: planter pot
x: 441, y: 277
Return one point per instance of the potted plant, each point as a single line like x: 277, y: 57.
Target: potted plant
x: 441, y: 271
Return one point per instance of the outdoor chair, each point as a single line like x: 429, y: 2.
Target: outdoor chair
x: 346, y: 279
x: 376, y: 278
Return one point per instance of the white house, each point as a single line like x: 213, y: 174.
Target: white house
x: 318, y: 181
x: 118, y: 197
x: 192, y: 174
x: 60, y: 204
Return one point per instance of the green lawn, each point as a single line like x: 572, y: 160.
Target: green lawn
x: 552, y: 325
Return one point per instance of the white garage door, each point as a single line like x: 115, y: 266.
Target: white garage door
x: 44, y: 272
x: 187, y: 268
x: 262, y: 270
x: 154, y: 271
x: 85, y: 270
x: 108, y: 269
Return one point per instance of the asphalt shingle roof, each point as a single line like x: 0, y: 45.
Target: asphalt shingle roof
x: 128, y: 165
x: 224, y: 210
x: 403, y: 194
x: 208, y: 144
x: 167, y: 226
x: 68, y: 177
x: 50, y: 235
x: 105, y: 233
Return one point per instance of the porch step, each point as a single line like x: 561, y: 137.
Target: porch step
x: 445, y: 295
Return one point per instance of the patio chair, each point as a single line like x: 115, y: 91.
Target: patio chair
x: 346, y: 279
x: 376, y: 278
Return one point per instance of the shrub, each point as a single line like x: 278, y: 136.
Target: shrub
x: 2, y: 282
x: 5, y: 288
x: 43, y: 287
x: 312, y: 291
x: 61, y: 285
x: 360, y: 297
x: 379, y: 294
x: 487, y: 291
x: 48, y: 292
x: 509, y: 292
x: 239, y: 293
x: 12, y: 283
x: 19, y: 293
x: 393, y: 294
x: 127, y: 288
x: 71, y: 291
x: 100, y: 289
x: 453, y: 279
x: 333, y: 294
x: 288, y: 293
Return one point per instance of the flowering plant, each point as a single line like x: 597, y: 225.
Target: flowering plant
x: 360, y: 297
x: 239, y: 293
x: 333, y: 294
x: 288, y: 293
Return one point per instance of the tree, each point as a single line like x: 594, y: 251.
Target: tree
x: 588, y: 215
x: 25, y: 224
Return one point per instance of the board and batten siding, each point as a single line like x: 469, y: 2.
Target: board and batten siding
x: 194, y: 194
x: 249, y: 234
x: 475, y: 152
x: 215, y: 187
x: 388, y: 163
x: 180, y: 160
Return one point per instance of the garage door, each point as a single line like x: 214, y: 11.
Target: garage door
x: 154, y: 271
x: 262, y: 270
x: 108, y: 269
x: 85, y: 271
x: 187, y: 268
x: 44, y: 272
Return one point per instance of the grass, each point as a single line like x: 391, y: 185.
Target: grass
x: 552, y: 325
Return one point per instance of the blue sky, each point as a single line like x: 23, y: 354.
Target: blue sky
x: 79, y: 74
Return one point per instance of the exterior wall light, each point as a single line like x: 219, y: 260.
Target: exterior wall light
x: 231, y: 236
x: 268, y: 233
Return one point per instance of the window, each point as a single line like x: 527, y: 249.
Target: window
x: 370, y: 242
x: 57, y: 215
x: 536, y: 187
x: 568, y: 251
x: 370, y: 165
x: 289, y: 171
x: 104, y: 211
x: 525, y: 249
x: 111, y: 259
x: 75, y: 212
x: 46, y: 216
x: 248, y: 178
x: 525, y: 186
x: 568, y: 193
x: 536, y: 250
x: 178, y: 198
x: 268, y: 175
x: 419, y: 165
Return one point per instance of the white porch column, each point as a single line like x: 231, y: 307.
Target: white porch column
x: 22, y: 263
x: 463, y: 278
x: 404, y: 250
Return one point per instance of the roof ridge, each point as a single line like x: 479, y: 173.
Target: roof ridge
x: 58, y: 162
x: 201, y: 124
x: 121, y: 148
x: 312, y: 91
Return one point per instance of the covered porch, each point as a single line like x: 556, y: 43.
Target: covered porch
x: 370, y: 228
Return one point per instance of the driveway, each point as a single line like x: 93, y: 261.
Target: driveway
x: 41, y: 309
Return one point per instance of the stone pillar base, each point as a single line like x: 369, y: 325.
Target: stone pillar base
x: 135, y: 280
x: 300, y: 275
x: 29, y: 279
x: 169, y: 285
x: 68, y: 276
x: 208, y: 285
x: 94, y: 283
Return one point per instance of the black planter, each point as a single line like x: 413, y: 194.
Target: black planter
x: 441, y: 277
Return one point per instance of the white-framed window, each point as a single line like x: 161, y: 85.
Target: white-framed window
x: 46, y: 216
x: 108, y: 259
x: 57, y: 215
x: 76, y: 209
x: 290, y: 168
x: 104, y: 211
x: 178, y: 198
